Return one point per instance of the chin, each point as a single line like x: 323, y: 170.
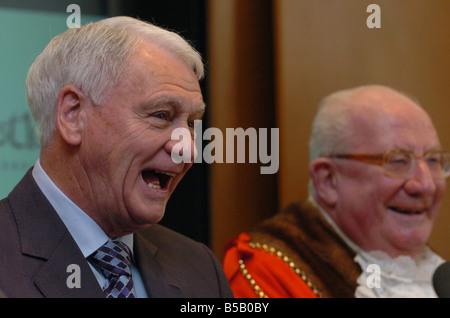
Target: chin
x: 147, y: 214
x: 154, y: 215
x: 412, y: 245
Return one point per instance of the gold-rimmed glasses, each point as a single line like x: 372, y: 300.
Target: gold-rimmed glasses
x: 401, y: 163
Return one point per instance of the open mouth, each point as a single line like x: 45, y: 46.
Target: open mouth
x: 157, y: 179
x: 406, y: 211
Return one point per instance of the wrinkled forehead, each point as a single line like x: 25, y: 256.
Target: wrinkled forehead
x: 388, y: 120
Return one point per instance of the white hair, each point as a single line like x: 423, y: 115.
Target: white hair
x: 330, y: 133
x: 330, y: 129
x: 93, y: 58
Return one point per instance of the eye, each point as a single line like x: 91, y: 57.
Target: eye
x: 398, y: 159
x: 162, y: 115
x: 433, y: 160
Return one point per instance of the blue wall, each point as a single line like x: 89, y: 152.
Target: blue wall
x: 23, y: 35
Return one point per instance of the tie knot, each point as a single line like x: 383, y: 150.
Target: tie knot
x: 114, y: 261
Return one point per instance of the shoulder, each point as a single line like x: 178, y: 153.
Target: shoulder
x: 168, y: 245
x: 294, y: 215
x: 191, y: 265
x: 166, y: 239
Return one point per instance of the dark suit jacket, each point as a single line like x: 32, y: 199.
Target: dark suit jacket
x: 36, y: 250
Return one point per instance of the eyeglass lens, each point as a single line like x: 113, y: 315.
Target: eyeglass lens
x: 401, y: 164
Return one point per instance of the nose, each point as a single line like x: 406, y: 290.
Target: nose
x: 421, y: 183
x: 181, y: 146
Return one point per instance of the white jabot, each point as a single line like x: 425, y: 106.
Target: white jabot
x: 400, y: 277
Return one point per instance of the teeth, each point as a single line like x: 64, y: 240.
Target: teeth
x: 166, y: 173
x: 406, y: 211
x: 157, y: 185
x: 154, y: 186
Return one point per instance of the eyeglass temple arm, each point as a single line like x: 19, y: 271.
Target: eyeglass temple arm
x: 364, y: 158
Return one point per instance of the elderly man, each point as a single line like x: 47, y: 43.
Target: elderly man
x: 377, y: 181
x: 106, y: 98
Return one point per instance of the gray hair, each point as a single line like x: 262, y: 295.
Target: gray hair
x: 330, y: 133
x: 93, y: 58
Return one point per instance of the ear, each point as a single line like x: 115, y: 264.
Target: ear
x: 323, y: 176
x: 69, y: 110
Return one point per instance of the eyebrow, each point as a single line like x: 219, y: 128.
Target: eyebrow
x: 434, y: 148
x: 201, y: 111
x: 174, y: 102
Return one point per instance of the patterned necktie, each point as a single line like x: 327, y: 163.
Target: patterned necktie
x: 113, y: 260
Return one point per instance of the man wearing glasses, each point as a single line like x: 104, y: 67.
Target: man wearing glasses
x: 377, y: 181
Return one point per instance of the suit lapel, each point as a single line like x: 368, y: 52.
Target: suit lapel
x: 52, y: 278
x: 44, y: 236
x: 151, y: 269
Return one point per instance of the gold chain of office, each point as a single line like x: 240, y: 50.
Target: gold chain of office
x: 256, y: 288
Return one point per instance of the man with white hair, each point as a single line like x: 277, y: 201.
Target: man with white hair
x: 377, y: 181
x: 82, y: 222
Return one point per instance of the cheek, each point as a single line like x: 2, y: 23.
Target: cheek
x: 110, y: 153
x: 364, y: 199
x: 438, y: 198
x: 369, y: 190
x: 441, y: 186
x: 387, y: 189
